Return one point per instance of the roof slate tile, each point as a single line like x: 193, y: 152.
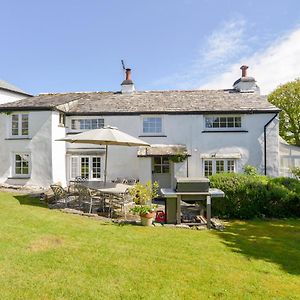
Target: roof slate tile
x: 147, y: 102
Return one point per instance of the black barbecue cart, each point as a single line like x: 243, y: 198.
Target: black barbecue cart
x: 190, y: 190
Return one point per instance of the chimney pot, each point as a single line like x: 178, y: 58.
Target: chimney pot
x: 128, y: 74
x: 127, y: 84
x: 244, y: 70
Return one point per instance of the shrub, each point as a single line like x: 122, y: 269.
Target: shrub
x: 286, y: 192
x: 250, y: 170
x: 296, y: 172
x: 248, y: 196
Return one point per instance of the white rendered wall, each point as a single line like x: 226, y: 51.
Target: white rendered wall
x: 289, y: 158
x: 49, y: 156
x: 58, y: 151
x: 7, y: 96
x: 38, y: 145
x: 145, y: 169
x: 187, y: 129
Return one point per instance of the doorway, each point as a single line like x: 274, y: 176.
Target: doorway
x: 162, y: 171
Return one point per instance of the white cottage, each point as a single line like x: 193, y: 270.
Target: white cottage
x: 10, y: 93
x: 218, y: 131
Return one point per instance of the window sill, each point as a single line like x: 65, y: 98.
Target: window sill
x: 221, y: 131
x: 74, y: 132
x: 18, y: 138
x: 19, y: 177
x: 152, y: 135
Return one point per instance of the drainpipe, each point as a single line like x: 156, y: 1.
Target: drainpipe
x: 265, y: 142
x: 187, y: 166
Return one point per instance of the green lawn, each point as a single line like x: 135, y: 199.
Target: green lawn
x: 47, y: 254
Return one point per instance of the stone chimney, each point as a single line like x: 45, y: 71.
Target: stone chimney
x: 127, y: 85
x: 246, y: 84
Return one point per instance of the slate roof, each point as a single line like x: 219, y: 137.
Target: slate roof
x: 244, y: 79
x: 9, y: 87
x: 178, y: 102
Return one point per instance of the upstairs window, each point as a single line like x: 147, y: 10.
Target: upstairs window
x: 62, y: 119
x: 86, y: 124
x: 223, y: 122
x: 152, y: 125
x: 19, y: 125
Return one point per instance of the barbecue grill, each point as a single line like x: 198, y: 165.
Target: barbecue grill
x: 189, y: 190
x: 192, y: 184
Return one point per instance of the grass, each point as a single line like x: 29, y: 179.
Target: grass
x: 47, y: 254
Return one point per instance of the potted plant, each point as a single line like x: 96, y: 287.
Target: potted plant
x: 142, y: 195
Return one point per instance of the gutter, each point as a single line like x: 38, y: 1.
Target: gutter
x: 135, y: 113
x: 30, y: 108
x: 265, y: 142
x: 165, y: 112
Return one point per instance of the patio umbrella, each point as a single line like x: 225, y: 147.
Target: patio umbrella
x: 107, y: 135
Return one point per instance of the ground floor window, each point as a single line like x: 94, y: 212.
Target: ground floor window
x: 212, y: 166
x: 208, y: 169
x: 88, y: 167
x: 21, y: 163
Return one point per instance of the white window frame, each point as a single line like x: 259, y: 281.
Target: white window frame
x: 77, y: 167
x: 20, y: 125
x: 78, y: 120
x: 62, y: 119
x: 234, y: 128
x: 209, y: 166
x: 14, y: 173
x: 227, y: 167
x: 152, y: 133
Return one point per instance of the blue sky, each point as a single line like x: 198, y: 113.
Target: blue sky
x: 75, y: 45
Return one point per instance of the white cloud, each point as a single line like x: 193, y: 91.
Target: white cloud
x: 223, y: 45
x: 224, y: 42
x: 275, y: 65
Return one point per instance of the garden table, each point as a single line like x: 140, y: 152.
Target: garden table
x: 114, y: 193
x: 108, y: 187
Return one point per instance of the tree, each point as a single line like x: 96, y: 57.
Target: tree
x: 287, y: 98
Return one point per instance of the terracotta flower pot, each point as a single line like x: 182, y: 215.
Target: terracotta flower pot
x: 147, y: 219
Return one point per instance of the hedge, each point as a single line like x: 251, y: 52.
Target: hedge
x: 254, y: 196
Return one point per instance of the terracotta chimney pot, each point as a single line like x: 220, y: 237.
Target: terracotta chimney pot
x: 128, y: 74
x: 244, y: 70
